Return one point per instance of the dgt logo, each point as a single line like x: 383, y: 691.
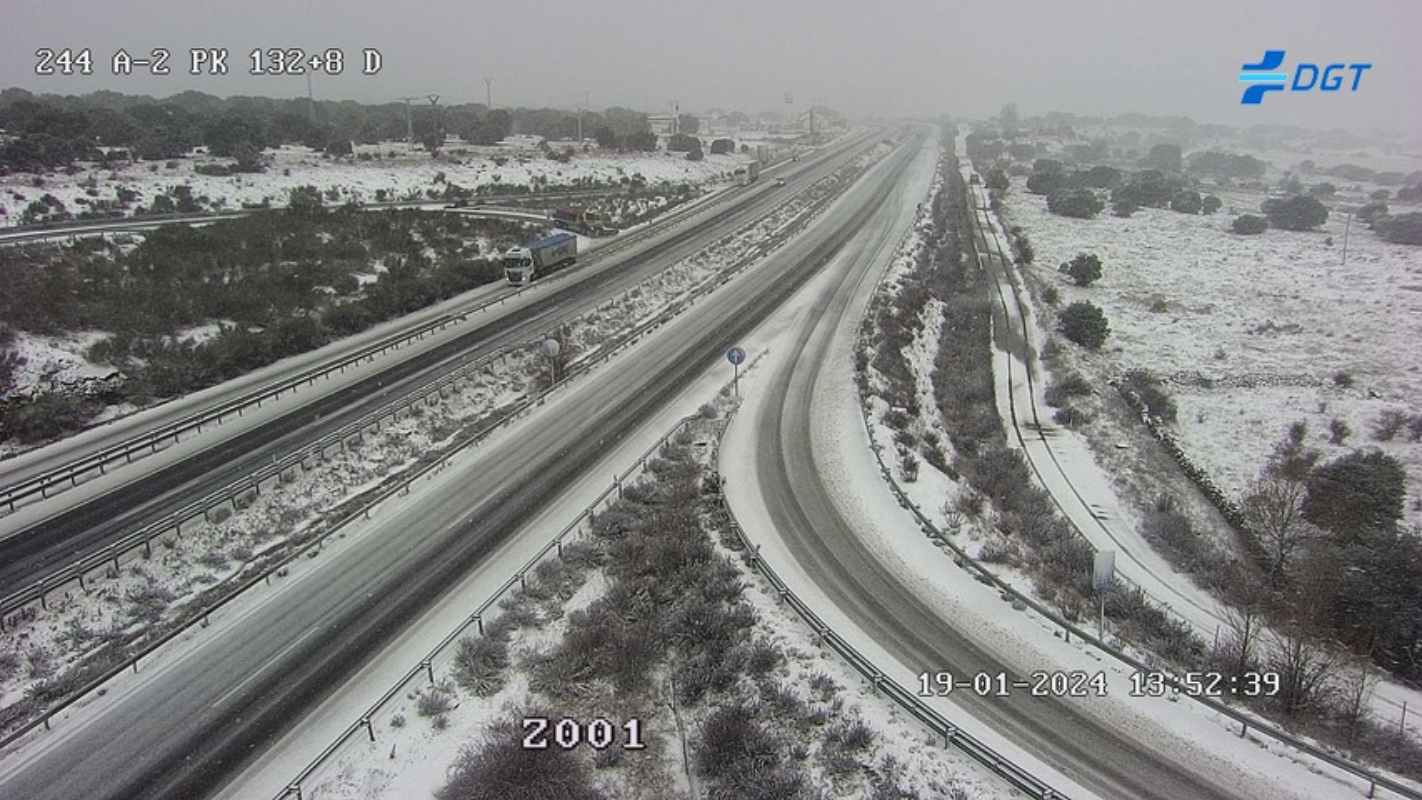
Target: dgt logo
x: 1266, y: 77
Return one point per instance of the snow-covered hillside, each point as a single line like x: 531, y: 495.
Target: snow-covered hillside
x: 396, y: 174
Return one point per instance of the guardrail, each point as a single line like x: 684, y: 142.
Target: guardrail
x: 144, y: 537
x: 253, y: 483
x: 953, y: 735
x: 149, y: 441
x: 1012, y: 595
x: 365, y: 721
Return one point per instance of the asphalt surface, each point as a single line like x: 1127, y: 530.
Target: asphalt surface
x: 803, y: 510
x: 196, y: 719
x: 86, y: 527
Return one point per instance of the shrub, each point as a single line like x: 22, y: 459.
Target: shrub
x: 1124, y: 207
x: 1051, y: 296
x: 500, y: 768
x: 739, y: 756
x: 1363, y: 489
x: 1084, y: 270
x: 1388, y: 424
x: 1071, y: 416
x: 1085, y: 324
x: 908, y: 467
x: 435, y: 700
x: 1071, y: 384
x: 45, y: 416
x: 1210, y: 204
x: 148, y: 602
x: 479, y: 664
x: 1343, y: 380
x: 764, y: 657
x: 1370, y: 212
x: 895, y: 418
x: 1338, y: 431
x: 1078, y: 203
x: 1186, y: 201
x: 1401, y: 229
x: 1249, y: 225
x: 1296, y: 213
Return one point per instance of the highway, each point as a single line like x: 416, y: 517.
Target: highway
x: 72, y: 529
x: 805, y: 513
x: 195, y: 719
x: 97, y: 227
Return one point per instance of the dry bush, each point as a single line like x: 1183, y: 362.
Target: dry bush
x: 1388, y: 424
x: 500, y: 768
x: 480, y: 664
x: 435, y: 700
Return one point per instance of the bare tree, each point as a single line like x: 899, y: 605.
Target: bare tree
x: 1303, y: 663
x: 1355, y: 692
x: 1244, y: 624
x: 1272, y: 508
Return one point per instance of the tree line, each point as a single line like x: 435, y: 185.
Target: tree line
x: 50, y: 131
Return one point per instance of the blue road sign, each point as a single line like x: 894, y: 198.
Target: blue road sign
x: 736, y: 355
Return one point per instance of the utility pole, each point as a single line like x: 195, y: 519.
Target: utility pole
x: 489, y: 93
x: 310, y: 98
x: 586, y: 103
x: 409, y: 120
x: 1347, y: 227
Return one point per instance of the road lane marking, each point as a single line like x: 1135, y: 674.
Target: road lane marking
x: 255, y: 673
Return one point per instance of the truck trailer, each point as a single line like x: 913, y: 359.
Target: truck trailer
x: 523, y: 264
x: 748, y: 174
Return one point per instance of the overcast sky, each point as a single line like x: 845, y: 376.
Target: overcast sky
x: 889, y: 57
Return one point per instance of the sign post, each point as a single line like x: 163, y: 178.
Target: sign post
x: 551, y: 348
x: 736, y: 355
x: 1103, y: 569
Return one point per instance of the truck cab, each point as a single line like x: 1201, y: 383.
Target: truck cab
x: 518, y: 265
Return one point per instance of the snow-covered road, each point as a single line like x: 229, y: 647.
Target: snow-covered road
x: 1113, y: 746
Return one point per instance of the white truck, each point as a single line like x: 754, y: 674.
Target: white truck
x: 523, y: 264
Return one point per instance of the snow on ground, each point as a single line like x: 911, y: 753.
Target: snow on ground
x: 421, y: 754
x: 1222, y: 314
x: 1188, y: 731
x: 399, y: 176
x: 211, y: 553
x: 1230, y: 417
x: 56, y: 361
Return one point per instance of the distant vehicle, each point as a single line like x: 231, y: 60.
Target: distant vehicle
x: 747, y: 174
x: 779, y: 181
x: 523, y: 264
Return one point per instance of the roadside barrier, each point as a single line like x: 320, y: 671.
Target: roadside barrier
x: 1016, y: 598
x: 230, y: 494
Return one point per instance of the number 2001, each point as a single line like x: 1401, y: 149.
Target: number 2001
x: 569, y: 733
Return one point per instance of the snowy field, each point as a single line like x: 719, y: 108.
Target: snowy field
x: 1249, y: 329
x: 405, y: 174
